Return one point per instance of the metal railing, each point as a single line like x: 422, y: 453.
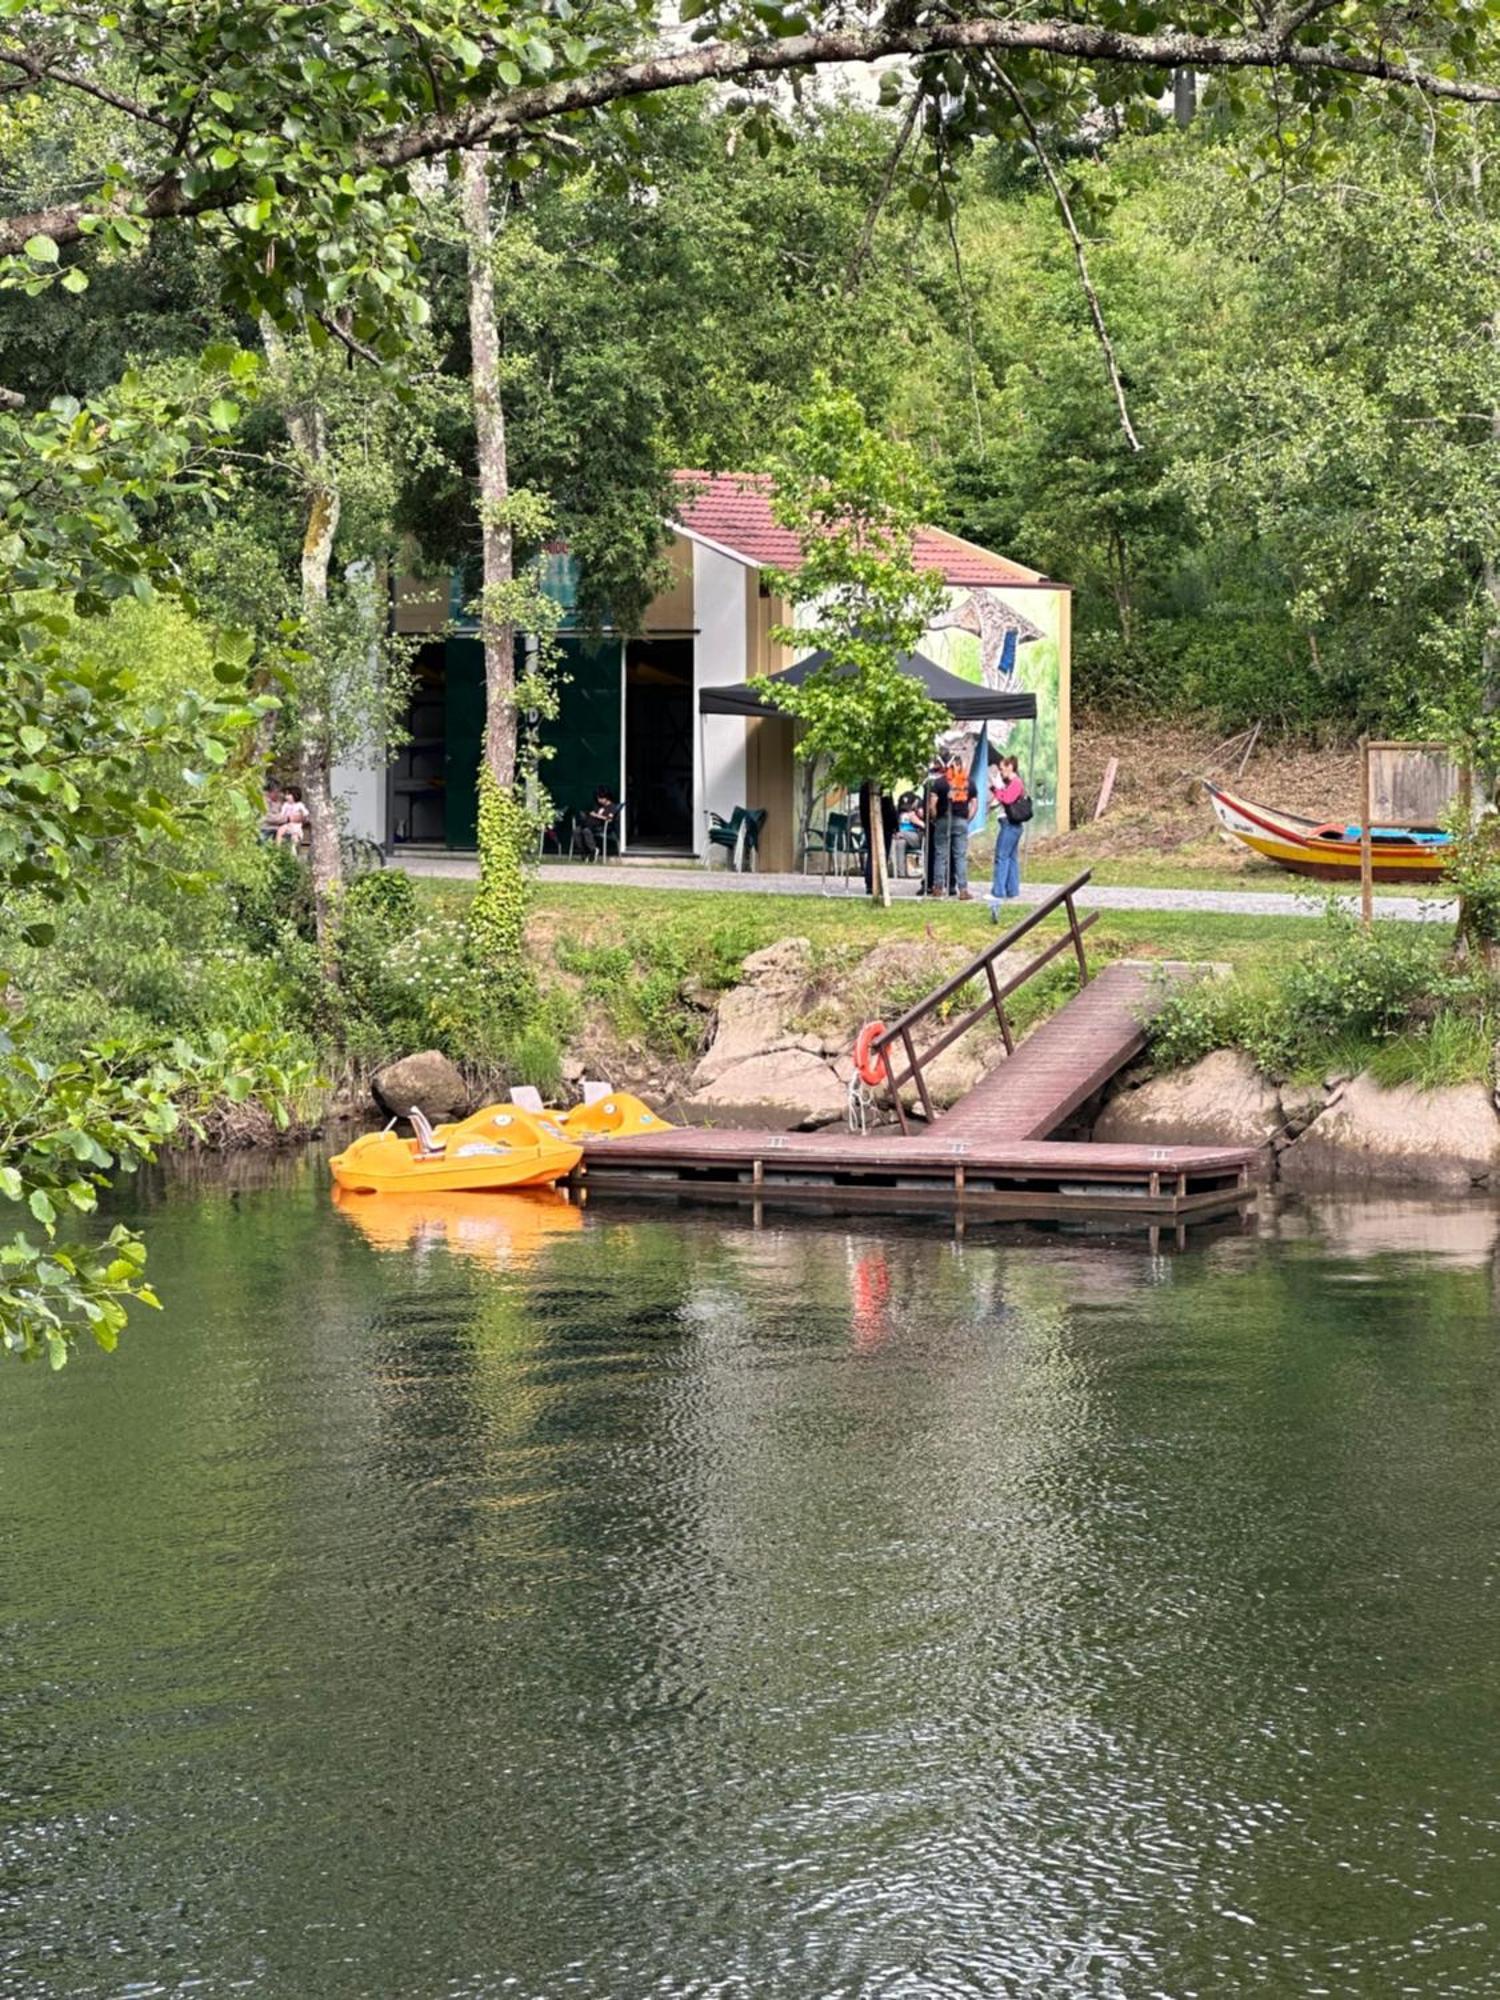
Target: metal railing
x: 997, y: 992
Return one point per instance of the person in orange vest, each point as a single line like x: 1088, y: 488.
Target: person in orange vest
x: 951, y: 804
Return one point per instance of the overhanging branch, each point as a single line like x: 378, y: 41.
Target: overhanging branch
x: 1073, y: 42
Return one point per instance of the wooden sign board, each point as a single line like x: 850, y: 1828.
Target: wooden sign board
x: 1401, y: 784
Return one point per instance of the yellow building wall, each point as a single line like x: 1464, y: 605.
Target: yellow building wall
x: 770, y: 767
x: 671, y: 610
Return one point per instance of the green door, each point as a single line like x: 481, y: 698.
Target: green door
x: 463, y: 740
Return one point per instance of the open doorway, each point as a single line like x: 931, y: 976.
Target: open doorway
x: 659, y: 744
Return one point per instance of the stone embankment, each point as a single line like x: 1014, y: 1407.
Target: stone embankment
x: 779, y: 1054
x: 1346, y: 1131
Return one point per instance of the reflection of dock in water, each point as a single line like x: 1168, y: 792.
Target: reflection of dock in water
x: 990, y: 1154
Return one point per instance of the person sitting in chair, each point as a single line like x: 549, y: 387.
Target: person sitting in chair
x: 594, y: 823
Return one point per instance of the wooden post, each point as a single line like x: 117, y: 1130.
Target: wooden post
x: 1106, y: 790
x: 1083, y: 964
x: 1366, y: 844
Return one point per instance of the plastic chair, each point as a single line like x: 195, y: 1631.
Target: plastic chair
x: 750, y: 827
x: 725, y: 833
x: 611, y: 831
x: 836, y: 840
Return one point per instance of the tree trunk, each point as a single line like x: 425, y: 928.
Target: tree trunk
x: 308, y: 430
x: 497, y: 924
x: 880, y: 876
x: 496, y: 629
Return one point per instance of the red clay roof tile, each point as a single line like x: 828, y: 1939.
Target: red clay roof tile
x: 734, y: 510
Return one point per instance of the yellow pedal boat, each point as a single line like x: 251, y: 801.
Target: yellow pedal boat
x: 501, y: 1146
x: 618, y: 1114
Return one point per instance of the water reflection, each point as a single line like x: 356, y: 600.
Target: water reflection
x: 495, y: 1229
x: 530, y: 1602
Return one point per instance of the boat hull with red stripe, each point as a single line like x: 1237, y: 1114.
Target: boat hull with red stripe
x: 1325, y: 849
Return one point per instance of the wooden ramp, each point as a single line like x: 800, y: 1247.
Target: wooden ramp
x: 1062, y: 1064
x: 990, y: 1154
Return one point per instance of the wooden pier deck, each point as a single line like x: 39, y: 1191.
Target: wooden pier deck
x: 990, y: 1154
x: 1037, y: 1180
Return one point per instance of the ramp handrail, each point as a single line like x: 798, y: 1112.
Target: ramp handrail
x: 993, y: 1002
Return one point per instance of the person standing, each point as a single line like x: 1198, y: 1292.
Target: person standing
x: 950, y: 803
x: 1014, y: 808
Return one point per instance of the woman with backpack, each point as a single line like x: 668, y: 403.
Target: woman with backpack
x: 1014, y: 808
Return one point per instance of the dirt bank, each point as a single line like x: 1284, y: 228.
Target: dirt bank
x: 1159, y: 808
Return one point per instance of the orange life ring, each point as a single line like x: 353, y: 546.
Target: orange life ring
x: 873, y: 1069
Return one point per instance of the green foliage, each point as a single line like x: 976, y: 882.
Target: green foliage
x: 854, y: 499
x: 1355, y: 992
x: 497, y: 917
x: 1473, y: 874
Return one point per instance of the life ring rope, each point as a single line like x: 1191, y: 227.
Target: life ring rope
x: 873, y: 1067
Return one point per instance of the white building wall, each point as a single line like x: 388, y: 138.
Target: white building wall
x: 721, y: 616
x: 360, y: 791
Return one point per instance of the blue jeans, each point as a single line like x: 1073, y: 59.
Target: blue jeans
x: 950, y: 865
x: 1007, y: 882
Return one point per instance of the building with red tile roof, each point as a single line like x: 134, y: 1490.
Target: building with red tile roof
x: 731, y: 511
x: 631, y: 712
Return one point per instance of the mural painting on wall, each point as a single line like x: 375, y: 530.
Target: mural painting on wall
x: 1006, y: 640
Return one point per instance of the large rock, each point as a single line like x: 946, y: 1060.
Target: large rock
x: 782, y: 1089
x: 1221, y: 1101
x: 428, y: 1081
x: 1419, y: 1138
x: 755, y: 1018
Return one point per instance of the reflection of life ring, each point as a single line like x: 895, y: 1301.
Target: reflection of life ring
x: 873, y: 1069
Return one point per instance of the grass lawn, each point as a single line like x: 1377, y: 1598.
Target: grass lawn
x: 653, y: 922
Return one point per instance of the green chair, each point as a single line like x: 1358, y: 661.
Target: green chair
x: 725, y: 833
x: 836, y: 841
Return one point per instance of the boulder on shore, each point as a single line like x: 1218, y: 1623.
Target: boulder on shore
x: 780, y: 1089
x: 427, y: 1080
x: 1221, y: 1101
x: 1422, y: 1138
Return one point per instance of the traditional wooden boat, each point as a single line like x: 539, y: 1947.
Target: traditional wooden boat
x: 1329, y: 850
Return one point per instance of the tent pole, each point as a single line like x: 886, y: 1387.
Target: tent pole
x: 700, y: 831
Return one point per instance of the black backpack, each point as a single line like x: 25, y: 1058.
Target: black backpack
x: 1019, y: 810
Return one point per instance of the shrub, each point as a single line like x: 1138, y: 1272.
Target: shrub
x: 383, y: 901
x: 1332, y: 1005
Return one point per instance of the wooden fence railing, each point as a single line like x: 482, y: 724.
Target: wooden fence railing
x: 997, y: 992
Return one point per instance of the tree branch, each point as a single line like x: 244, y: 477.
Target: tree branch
x: 882, y: 194
x: 1070, y: 41
x: 1059, y: 195
x: 1073, y: 41
x: 40, y: 71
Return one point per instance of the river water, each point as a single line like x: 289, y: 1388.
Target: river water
x: 507, y: 1601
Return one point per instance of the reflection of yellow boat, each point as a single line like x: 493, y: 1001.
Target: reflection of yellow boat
x: 492, y: 1228
x: 615, y: 1115
x: 498, y: 1147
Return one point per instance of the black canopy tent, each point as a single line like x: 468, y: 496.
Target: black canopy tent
x: 965, y: 701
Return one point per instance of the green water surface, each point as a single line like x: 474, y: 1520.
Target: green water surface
x: 642, y: 1604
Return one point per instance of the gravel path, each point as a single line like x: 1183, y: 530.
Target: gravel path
x: 722, y: 881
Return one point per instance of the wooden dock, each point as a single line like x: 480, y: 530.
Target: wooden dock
x: 990, y: 1154
x: 1063, y: 1063
x: 1041, y: 1179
